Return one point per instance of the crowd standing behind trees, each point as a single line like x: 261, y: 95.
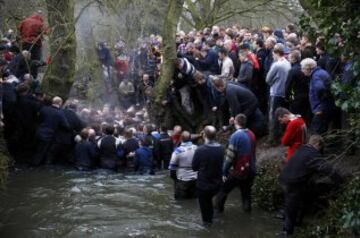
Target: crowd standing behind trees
x: 234, y: 76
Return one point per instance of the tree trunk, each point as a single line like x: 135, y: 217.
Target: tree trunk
x: 59, y: 76
x: 169, y: 48
x: 309, y: 8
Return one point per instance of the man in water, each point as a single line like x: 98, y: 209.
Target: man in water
x: 180, y: 168
x: 208, y: 160
x: 241, y: 156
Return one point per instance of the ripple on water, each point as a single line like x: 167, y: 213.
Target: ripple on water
x: 102, y: 204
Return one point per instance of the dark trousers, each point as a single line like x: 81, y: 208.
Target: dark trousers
x: 301, y: 106
x: 274, y: 126
x: 320, y: 124
x: 294, y: 197
x: 232, y: 182
x: 185, y: 189
x: 256, y: 123
x: 42, y: 151
x: 109, y: 163
x: 206, y: 206
x: 61, y: 153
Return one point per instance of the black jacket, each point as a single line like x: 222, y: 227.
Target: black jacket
x: 75, y: 124
x: 235, y: 59
x: 208, y: 160
x: 163, y: 147
x: 268, y: 61
x: 241, y: 100
x: 85, y: 154
x: 303, y: 164
x: 297, y: 84
x: 52, y: 120
x: 107, y: 148
x: 130, y: 145
x: 245, y: 74
x: 27, y: 110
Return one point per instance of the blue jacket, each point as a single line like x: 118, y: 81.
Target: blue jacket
x: 143, y: 162
x: 210, y: 63
x: 319, y: 92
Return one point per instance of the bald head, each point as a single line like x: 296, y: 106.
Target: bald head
x: 57, y: 101
x: 185, y: 136
x: 210, y: 133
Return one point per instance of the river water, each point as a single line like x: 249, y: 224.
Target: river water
x: 55, y: 202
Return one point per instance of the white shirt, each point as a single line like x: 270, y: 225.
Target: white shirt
x: 181, y: 161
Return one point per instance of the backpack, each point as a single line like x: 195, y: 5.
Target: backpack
x: 241, y: 166
x: 242, y: 163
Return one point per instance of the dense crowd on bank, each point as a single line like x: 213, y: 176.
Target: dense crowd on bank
x: 253, y: 80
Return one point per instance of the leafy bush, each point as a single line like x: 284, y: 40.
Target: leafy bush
x: 267, y: 191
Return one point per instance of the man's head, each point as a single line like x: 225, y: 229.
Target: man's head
x: 145, y: 77
x: 317, y: 142
x: 266, y: 32
x: 222, y: 53
x: 295, y: 56
x: 228, y: 45
x: 177, y: 130
x: 22, y: 89
x: 259, y: 44
x: 240, y: 121
x: 185, y: 136
x: 270, y: 42
x: 307, y: 66
x: 57, y: 101
x: 305, y: 39
x: 290, y: 28
x: 219, y: 83
x: 320, y: 48
x: 247, y: 36
x: 109, y: 129
x: 279, y: 51
x: 282, y: 115
x: 28, y: 78
x: 84, y: 134
x: 92, y: 133
x: 128, y: 134
x: 209, y: 133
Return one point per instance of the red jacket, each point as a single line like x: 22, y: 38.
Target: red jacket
x: 294, y: 136
x: 121, y: 65
x: 31, y: 29
x: 252, y: 57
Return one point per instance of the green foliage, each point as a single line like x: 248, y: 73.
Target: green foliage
x: 338, y: 17
x: 342, y: 219
x: 267, y: 192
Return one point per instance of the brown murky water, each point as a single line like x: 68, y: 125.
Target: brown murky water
x: 55, y: 202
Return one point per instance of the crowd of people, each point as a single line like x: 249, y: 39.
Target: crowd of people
x: 254, y: 81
